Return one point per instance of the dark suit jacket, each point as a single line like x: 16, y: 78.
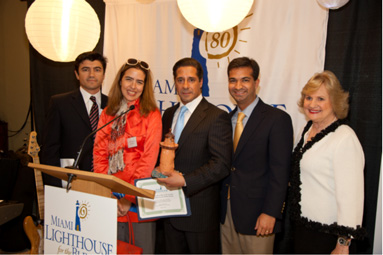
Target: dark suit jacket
x: 66, y: 126
x: 260, y: 169
x: 203, y: 156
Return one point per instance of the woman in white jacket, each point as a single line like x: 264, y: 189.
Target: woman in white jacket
x: 327, y: 184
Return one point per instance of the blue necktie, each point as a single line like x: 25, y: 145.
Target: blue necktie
x: 180, y: 124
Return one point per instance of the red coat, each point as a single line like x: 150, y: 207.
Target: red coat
x: 140, y: 160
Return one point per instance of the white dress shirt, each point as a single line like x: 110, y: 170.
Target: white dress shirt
x: 89, y: 103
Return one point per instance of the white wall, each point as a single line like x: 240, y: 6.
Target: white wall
x: 378, y: 224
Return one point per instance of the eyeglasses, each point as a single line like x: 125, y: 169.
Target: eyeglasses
x: 134, y: 62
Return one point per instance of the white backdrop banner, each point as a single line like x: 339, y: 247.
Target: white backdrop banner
x: 286, y: 37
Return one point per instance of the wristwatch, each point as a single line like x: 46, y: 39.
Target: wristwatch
x: 344, y: 241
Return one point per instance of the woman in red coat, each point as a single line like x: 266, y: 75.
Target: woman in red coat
x: 128, y: 147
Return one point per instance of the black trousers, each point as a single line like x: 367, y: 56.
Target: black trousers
x: 307, y: 241
x: 184, y: 242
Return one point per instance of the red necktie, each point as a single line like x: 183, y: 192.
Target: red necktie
x: 93, y: 115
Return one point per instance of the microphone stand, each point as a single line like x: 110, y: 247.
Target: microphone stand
x: 79, y: 154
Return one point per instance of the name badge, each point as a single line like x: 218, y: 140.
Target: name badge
x: 132, y: 142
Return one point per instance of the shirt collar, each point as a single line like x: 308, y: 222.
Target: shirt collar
x: 249, y: 109
x: 86, y: 96
x: 193, y: 104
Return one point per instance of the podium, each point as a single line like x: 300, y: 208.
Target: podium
x: 86, y: 182
x: 94, y: 183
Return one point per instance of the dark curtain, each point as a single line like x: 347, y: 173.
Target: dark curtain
x: 49, y: 78
x: 354, y: 54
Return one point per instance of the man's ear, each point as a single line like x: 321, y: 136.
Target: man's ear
x: 77, y: 76
x: 257, y: 86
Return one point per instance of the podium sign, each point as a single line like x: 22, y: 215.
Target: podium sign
x: 79, y: 223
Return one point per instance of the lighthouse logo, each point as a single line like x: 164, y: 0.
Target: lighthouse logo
x: 82, y: 212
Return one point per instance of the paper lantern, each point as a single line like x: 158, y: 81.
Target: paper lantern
x: 62, y: 29
x: 214, y: 15
x: 332, y: 4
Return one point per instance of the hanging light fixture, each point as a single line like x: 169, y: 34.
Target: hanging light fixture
x: 60, y: 30
x: 332, y: 4
x: 214, y: 15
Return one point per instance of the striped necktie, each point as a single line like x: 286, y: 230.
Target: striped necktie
x: 93, y: 115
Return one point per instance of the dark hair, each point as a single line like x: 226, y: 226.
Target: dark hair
x: 188, y: 62
x: 147, y: 99
x: 244, y: 62
x: 92, y: 56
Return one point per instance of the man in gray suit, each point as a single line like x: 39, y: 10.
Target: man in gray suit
x: 202, y: 159
x: 253, y: 195
x: 68, y: 118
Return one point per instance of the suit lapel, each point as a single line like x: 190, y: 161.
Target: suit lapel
x: 167, y: 123
x: 195, y: 119
x: 79, y: 106
x: 104, y: 101
x: 254, y: 120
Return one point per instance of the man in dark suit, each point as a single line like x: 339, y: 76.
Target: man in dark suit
x: 68, y: 121
x: 253, y: 195
x: 202, y: 159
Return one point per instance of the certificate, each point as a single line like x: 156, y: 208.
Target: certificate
x: 166, y: 203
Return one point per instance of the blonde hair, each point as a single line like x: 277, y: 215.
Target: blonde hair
x: 338, y: 97
x: 147, y: 99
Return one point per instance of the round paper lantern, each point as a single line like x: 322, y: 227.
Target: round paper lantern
x: 62, y: 29
x: 214, y: 15
x: 332, y: 4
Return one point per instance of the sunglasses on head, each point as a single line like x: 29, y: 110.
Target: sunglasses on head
x: 134, y: 62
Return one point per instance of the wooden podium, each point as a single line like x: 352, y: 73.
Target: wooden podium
x: 91, y: 183
x: 94, y: 183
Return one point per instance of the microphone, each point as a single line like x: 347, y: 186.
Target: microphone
x: 75, y: 163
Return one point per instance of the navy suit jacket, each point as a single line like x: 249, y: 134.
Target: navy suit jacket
x: 203, y: 156
x: 260, y: 169
x: 66, y: 126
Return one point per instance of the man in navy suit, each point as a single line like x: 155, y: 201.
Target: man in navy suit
x: 253, y: 195
x: 202, y: 159
x: 67, y: 122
